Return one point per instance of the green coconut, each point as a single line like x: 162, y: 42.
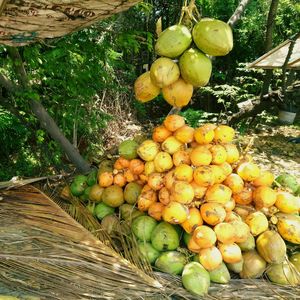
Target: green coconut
x: 165, y: 237
x: 295, y: 260
x: 195, y: 67
x: 220, y: 274
x: 288, y: 181
x: 283, y: 273
x: 92, y: 178
x: 173, y: 41
x: 77, y: 188
x: 105, y: 166
x: 101, y: 210
x: 171, y: 262
x: 127, y: 149
x: 186, y: 238
x: 249, y: 244
x: 148, y: 251
x: 236, y: 267
x: 80, y: 178
x: 86, y: 194
x: 254, y: 265
x: 131, y: 192
x: 213, y: 37
x: 113, y: 196
x: 126, y: 211
x: 195, y: 278
x: 142, y: 227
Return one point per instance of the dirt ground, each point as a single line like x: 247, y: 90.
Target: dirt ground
x: 272, y: 150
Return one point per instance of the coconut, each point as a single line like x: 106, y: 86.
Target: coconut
x: 101, y: 210
x: 131, y: 192
x: 164, y: 72
x: 128, y: 149
x: 147, y: 250
x: 110, y: 223
x: 236, y: 267
x: 77, y: 188
x: 173, y: 41
x: 165, y: 237
x: 254, y: 265
x: 295, y: 260
x: 213, y: 37
x: 113, y: 196
x: 96, y: 193
x: 195, y: 67
x: 144, y: 89
x: 220, y: 274
x: 288, y: 181
x: 143, y: 226
x: 195, y: 278
x: 148, y: 150
x: 171, y: 262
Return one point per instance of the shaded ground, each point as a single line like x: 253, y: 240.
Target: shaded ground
x: 272, y: 150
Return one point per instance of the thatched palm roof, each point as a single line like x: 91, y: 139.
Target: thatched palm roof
x: 26, y: 21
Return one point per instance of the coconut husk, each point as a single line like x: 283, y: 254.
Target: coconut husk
x: 23, y: 22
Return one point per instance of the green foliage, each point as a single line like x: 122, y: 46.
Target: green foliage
x: 195, y: 118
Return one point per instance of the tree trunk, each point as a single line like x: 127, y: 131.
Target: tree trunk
x: 238, y: 13
x: 45, y: 119
x: 269, y: 43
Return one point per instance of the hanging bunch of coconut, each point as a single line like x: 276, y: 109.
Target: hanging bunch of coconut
x: 184, y: 62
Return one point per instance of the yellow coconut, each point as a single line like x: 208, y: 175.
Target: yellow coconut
x: 178, y: 94
x: 172, y: 145
x: 205, y: 134
x: 148, y: 150
x: 144, y: 89
x: 175, y: 213
x: 164, y: 72
x: 182, y: 192
x: 163, y: 161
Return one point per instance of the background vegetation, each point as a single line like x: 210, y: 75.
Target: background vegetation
x: 85, y: 80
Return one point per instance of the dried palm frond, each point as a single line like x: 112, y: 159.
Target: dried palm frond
x: 46, y: 252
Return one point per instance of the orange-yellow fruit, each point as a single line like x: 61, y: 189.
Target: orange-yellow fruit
x: 156, y: 181
x: 183, y: 172
x: 193, y: 246
x: 164, y: 72
x: 230, y: 205
x: 257, y: 222
x: 226, y: 167
x: 235, y: 183
x: 219, y: 175
x: 175, y: 213
x: 204, y: 134
x: 223, y: 134
x: 173, y: 122
x: 178, y: 93
x: 242, y: 231
x: 129, y: 176
x: 244, y: 210
x: 204, y: 236
x: 163, y: 162
x: 244, y: 197
x: 149, y: 167
x: 146, y: 198
x: 181, y: 157
x: 212, y: 213
x: 264, y: 196
x: 287, y: 203
x: 210, y: 258
x: 147, y: 150
x: 225, y: 233
x: 106, y: 179
x: 193, y: 221
x: 172, y: 145
x: 204, y: 176
x: 199, y: 191
x: 265, y: 178
x: 144, y: 89
x: 233, y: 154
x: 232, y: 216
x: 160, y: 133
x: 218, y: 193
x: 182, y: 192
x: 136, y: 166
x: 155, y: 210
x: 169, y: 180
x: 121, y: 163
x: 200, y: 156
x: 120, y: 180
x: 184, y: 134
x: 231, y: 253
x: 164, y: 196
x: 219, y: 154
x: 248, y: 171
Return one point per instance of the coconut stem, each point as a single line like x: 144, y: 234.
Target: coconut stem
x: 187, y: 12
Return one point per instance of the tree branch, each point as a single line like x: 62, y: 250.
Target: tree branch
x: 238, y: 13
x: 8, y: 84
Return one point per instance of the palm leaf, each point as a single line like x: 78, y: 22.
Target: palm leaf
x: 46, y: 252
